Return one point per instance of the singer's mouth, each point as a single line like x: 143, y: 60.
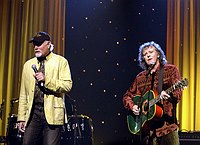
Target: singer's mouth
x: 38, y: 52
x: 150, y: 61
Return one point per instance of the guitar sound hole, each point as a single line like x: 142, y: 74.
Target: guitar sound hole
x: 146, y: 107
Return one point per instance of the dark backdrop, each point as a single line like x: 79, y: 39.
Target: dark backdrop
x: 102, y: 41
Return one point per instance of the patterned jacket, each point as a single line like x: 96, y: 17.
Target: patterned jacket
x: 168, y: 122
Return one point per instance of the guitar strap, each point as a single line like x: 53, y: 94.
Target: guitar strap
x: 160, y: 80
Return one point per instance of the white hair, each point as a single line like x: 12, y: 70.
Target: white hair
x: 51, y: 47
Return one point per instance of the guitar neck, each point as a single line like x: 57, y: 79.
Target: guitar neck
x: 154, y: 101
x: 168, y: 91
x: 179, y: 84
x: 172, y: 88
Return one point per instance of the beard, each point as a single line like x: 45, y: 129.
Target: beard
x: 38, y: 54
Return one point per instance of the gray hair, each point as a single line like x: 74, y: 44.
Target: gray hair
x: 51, y: 47
x: 141, y: 60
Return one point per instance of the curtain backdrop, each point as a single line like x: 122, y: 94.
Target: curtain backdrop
x: 19, y: 21
x: 183, y: 49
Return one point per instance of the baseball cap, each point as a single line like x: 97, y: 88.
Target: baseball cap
x: 39, y: 38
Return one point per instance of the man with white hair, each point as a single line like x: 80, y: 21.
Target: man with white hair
x: 45, y: 80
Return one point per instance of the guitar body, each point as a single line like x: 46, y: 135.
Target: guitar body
x: 155, y: 112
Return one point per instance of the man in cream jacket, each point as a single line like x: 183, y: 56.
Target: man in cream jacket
x: 45, y: 80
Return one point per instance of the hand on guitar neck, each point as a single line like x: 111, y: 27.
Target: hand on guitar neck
x: 164, y: 95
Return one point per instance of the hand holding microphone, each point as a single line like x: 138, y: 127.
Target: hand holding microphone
x: 39, y: 76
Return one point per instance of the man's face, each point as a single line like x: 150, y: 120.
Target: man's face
x: 150, y: 55
x: 42, y: 50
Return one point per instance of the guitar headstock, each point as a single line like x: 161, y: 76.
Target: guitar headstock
x: 182, y: 83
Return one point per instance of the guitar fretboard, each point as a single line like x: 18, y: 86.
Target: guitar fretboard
x: 180, y: 84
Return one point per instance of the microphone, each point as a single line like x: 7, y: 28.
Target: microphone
x: 34, y: 68
x: 40, y: 83
x: 151, y: 65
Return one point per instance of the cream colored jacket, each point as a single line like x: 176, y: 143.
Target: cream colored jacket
x: 57, y: 79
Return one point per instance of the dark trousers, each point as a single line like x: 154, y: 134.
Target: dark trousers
x: 169, y: 139
x: 39, y: 132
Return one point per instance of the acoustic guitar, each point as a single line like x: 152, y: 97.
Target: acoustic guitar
x: 150, y: 111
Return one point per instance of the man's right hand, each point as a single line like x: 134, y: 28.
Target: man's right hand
x: 21, y: 126
x: 136, y: 110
